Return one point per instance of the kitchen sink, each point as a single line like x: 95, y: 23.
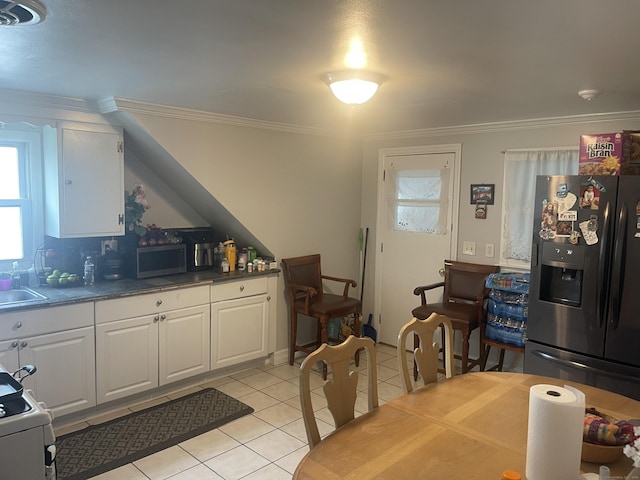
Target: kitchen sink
x: 21, y: 295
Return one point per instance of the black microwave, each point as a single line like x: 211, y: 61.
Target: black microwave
x: 157, y: 261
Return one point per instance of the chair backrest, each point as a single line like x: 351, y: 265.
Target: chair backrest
x: 303, y: 271
x: 340, y: 389
x: 426, y: 355
x: 465, y: 282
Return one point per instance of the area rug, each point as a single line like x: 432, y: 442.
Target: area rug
x: 100, y: 448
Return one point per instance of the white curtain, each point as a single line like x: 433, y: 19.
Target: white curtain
x: 520, y: 170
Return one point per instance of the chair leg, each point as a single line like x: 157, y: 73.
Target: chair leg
x: 485, y: 357
x: 294, y: 332
x: 357, y: 333
x: 324, y: 338
x: 465, y: 352
x: 501, y: 360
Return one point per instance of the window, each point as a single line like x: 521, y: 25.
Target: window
x: 419, y: 199
x: 20, y: 177
x: 520, y: 170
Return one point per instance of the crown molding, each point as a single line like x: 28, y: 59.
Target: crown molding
x: 495, y: 127
x: 118, y: 104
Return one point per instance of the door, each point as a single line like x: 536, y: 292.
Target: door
x: 184, y: 343
x: 417, y: 210
x: 623, y: 325
x: 570, y: 260
x: 126, y: 357
x: 58, y: 358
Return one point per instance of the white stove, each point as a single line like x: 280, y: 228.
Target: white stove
x: 27, y: 441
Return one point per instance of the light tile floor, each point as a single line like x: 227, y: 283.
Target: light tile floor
x: 265, y: 445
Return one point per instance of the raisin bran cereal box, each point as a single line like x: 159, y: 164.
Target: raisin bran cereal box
x: 615, y: 153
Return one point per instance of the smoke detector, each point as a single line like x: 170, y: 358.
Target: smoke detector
x: 23, y: 12
x: 590, y: 94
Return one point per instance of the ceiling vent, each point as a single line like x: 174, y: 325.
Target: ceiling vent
x: 24, y: 12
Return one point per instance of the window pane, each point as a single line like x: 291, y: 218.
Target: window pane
x: 423, y: 218
x: 9, y: 173
x: 423, y: 188
x: 11, y: 238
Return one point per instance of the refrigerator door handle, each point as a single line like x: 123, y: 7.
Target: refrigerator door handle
x: 578, y: 365
x: 617, y: 271
x: 602, y: 287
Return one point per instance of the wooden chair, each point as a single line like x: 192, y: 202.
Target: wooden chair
x: 463, y: 301
x: 307, y: 297
x: 426, y: 354
x: 341, y: 389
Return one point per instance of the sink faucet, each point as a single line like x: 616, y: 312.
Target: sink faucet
x: 15, y: 277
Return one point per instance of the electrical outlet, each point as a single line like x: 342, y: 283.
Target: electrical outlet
x: 469, y: 248
x: 112, y: 244
x: 489, y: 250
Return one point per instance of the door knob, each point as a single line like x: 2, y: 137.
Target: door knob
x: 441, y: 272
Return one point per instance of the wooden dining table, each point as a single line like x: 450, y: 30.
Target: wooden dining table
x: 471, y: 426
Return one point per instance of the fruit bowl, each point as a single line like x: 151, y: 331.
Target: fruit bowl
x: 63, y: 279
x: 601, y: 454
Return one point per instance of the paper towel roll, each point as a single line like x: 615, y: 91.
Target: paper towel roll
x: 554, y: 439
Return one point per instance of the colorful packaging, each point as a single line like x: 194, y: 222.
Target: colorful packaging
x: 615, y: 153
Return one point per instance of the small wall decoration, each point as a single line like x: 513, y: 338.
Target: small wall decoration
x: 481, y: 209
x: 482, y: 192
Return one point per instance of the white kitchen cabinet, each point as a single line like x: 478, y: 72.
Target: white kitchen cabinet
x: 242, y: 313
x: 60, y: 342
x: 150, y: 340
x: 84, y: 180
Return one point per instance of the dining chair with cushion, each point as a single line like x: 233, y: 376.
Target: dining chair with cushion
x: 341, y: 388
x: 426, y: 354
x: 308, y: 297
x: 463, y: 301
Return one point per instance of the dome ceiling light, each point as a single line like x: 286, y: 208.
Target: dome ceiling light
x: 23, y: 12
x: 354, y: 87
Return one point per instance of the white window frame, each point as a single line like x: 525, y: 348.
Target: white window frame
x: 512, y: 264
x: 29, y: 139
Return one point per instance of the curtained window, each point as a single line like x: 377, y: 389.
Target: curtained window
x: 520, y: 170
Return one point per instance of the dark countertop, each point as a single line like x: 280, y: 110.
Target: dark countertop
x: 106, y: 289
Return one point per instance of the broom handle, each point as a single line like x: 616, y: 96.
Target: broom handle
x: 364, y: 262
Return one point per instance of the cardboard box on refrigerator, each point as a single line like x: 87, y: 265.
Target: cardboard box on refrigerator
x: 616, y: 153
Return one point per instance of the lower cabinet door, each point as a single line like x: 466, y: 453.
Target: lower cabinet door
x: 126, y: 357
x: 65, y: 369
x: 239, y: 330
x: 184, y: 343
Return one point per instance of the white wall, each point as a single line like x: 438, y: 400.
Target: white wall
x: 297, y: 193
x: 481, y: 162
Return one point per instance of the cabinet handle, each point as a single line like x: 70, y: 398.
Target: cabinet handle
x: 163, y: 317
x: 158, y: 303
x: 268, y: 298
x: 68, y: 182
x: 24, y: 344
x: 14, y: 344
x: 156, y: 318
x: 19, y: 325
x: 242, y: 288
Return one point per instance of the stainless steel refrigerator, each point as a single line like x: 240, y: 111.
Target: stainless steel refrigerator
x: 584, y: 297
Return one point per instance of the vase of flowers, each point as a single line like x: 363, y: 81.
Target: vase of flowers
x: 135, y: 204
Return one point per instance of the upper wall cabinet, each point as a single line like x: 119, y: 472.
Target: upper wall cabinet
x: 84, y: 180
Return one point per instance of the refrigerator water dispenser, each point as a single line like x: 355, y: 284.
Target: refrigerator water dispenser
x: 561, y: 274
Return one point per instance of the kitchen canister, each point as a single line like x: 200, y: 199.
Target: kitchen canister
x: 554, y: 437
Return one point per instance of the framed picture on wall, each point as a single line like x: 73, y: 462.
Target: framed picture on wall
x: 482, y: 192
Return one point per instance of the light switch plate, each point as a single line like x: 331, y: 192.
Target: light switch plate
x: 469, y: 248
x: 113, y: 245
x: 489, y: 251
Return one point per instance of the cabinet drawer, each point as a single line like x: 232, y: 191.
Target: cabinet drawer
x: 45, y: 320
x: 149, y: 303
x: 239, y: 289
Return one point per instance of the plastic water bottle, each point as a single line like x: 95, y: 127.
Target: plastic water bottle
x: 89, y: 271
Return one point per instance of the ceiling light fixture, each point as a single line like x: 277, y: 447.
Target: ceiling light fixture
x: 590, y: 94
x: 354, y: 87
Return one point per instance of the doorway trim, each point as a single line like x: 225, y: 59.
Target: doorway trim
x: 383, y: 153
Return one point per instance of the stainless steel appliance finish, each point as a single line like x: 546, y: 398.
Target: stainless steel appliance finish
x: 584, y: 298
x: 157, y: 261
x: 27, y: 441
x: 200, y: 242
